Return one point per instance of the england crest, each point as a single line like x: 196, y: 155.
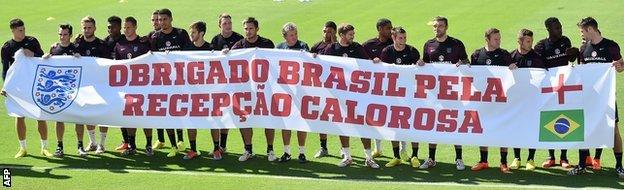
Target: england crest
x: 56, y: 87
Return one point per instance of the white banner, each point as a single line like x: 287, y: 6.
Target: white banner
x: 565, y: 107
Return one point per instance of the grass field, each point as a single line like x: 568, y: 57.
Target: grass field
x: 467, y: 21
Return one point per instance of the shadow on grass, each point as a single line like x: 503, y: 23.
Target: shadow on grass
x: 316, y: 169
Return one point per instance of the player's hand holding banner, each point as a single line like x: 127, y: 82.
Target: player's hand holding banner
x: 493, y: 106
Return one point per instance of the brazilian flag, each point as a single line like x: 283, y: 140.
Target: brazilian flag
x: 562, y: 126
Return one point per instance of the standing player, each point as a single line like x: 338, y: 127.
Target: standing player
x: 198, y: 30
x: 399, y: 53
x: 114, y: 34
x: 491, y: 55
x: 251, y: 40
x: 128, y: 47
x: 446, y: 50
x: 88, y: 44
x: 598, y: 49
x: 292, y: 42
x: 31, y: 48
x: 346, y: 47
x: 525, y: 57
x: 224, y: 40
x: 556, y: 50
x: 373, y: 48
x: 160, y: 143
x: 170, y: 38
x: 63, y: 47
x: 329, y: 37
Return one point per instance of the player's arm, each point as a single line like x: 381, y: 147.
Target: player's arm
x: 6, y: 60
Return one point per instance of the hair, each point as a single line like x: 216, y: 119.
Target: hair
x: 551, y: 20
x: 131, y: 20
x: 251, y: 20
x: 67, y: 27
x: 398, y: 30
x: 383, y: 22
x: 588, y: 22
x: 331, y: 24
x: 16, y: 22
x: 165, y: 11
x: 114, y: 20
x: 88, y: 19
x: 199, y: 26
x: 155, y: 12
x: 344, y: 28
x: 525, y: 33
x: 224, y: 16
x: 441, y: 19
x: 288, y: 27
x: 489, y: 32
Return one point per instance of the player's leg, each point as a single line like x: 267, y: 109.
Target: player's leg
x: 483, y: 161
x: 124, y: 136
x: 161, y: 139
x: 131, y: 137
x: 346, y: 153
x: 459, y: 161
x: 286, y: 134
x: 60, y: 131
x: 149, y: 151
x: 192, y: 135
x: 503, y: 160
x: 270, y: 138
x: 91, y: 134
x: 396, y: 160
x: 20, y: 126
x: 42, y: 127
x: 516, y: 163
x: 368, y: 152
x: 223, y: 139
x: 80, y: 136
x: 323, y: 150
x: 430, y: 161
x: 301, y: 141
x: 216, y: 138
x: 102, y: 145
x: 247, y: 135
x: 172, y: 139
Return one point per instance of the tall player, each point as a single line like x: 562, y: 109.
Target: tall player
x: 399, y: 53
x: 491, y: 55
x: 446, y: 50
x: 329, y: 37
x: 556, y: 50
x: 373, y: 48
x: 292, y: 42
x: 525, y: 57
x: 346, y: 47
x: 63, y: 47
x: 170, y: 38
x: 31, y: 48
x: 251, y: 40
x: 598, y: 49
x: 87, y: 44
x: 224, y: 40
x: 128, y: 47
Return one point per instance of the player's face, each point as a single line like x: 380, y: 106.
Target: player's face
x: 164, y: 21
x: 129, y: 29
x: 586, y: 33
x: 291, y: 37
x: 526, y: 43
x: 155, y: 23
x: 114, y: 28
x: 250, y: 30
x: 399, y: 39
x: 64, y: 35
x: 226, y: 25
x: 555, y: 29
x: 329, y: 33
x: 494, y: 40
x: 349, y: 36
x: 439, y: 28
x: 195, y: 34
x: 19, y: 32
x: 88, y: 29
x: 386, y: 31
